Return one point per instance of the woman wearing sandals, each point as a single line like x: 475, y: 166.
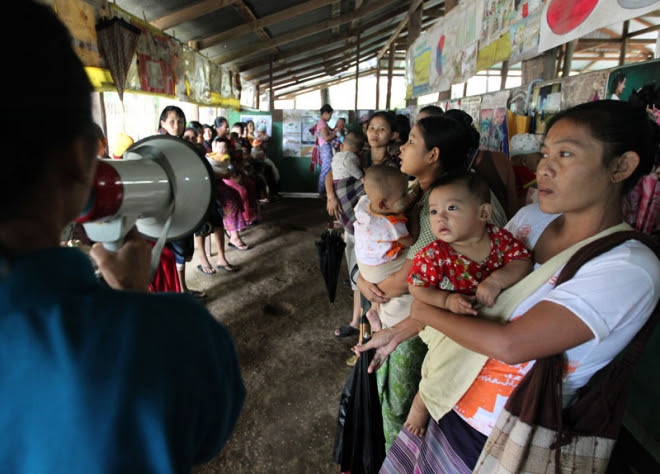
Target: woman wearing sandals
x: 592, y: 154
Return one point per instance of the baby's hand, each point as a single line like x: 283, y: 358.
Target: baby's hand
x: 487, y: 291
x: 460, y: 304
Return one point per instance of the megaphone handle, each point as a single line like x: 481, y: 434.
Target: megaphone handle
x: 114, y: 245
x: 158, y: 247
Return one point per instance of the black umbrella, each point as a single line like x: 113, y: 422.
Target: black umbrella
x: 359, y: 440
x: 330, y: 250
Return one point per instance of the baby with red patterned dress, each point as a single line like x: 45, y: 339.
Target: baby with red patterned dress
x: 471, y: 261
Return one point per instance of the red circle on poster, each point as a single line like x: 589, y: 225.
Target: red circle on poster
x: 565, y: 15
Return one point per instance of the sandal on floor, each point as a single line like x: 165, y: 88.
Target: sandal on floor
x: 228, y: 268
x: 206, y: 270
x: 239, y: 247
x: 346, y: 330
x: 200, y: 295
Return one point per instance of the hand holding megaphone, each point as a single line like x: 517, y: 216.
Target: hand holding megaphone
x: 129, y: 268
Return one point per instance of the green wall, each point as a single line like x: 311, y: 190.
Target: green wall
x: 295, y: 176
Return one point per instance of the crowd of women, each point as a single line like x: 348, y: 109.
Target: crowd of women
x: 466, y: 367
x: 243, y: 178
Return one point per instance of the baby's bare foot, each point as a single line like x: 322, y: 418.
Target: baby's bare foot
x: 374, y: 320
x: 418, y: 417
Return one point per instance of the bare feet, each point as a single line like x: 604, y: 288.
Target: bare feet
x: 374, y: 320
x: 418, y: 417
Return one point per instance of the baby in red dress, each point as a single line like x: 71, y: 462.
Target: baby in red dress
x: 472, y: 260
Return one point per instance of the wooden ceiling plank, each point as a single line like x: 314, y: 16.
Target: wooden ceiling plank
x: 344, y: 42
x: 323, y: 56
x: 413, y: 6
x: 266, y: 21
x: 190, y: 13
x: 303, y: 32
x: 325, y: 84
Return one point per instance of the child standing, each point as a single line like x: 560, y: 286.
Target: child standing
x: 471, y: 260
x: 380, y: 227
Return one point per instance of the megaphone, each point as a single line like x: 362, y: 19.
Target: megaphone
x: 162, y: 186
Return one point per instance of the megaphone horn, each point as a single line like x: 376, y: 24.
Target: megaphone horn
x: 161, y: 179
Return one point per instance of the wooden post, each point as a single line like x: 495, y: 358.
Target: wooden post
x: 504, y: 72
x: 568, y: 59
x: 390, y: 69
x: 357, y: 71
x: 271, y: 105
x: 377, y: 83
x: 624, y: 42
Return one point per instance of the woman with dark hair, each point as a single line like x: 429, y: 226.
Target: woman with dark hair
x: 435, y: 145
x: 592, y: 154
x: 618, y: 85
x: 323, y: 138
x: 173, y: 122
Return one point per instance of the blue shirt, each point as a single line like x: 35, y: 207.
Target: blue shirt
x: 98, y: 380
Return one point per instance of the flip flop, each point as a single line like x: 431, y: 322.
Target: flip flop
x: 206, y: 270
x: 346, y: 330
x: 228, y: 268
x: 239, y: 247
x: 200, y: 295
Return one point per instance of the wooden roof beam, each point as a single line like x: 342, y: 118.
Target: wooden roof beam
x: 303, y: 32
x: 413, y: 6
x: 190, y: 13
x: 266, y: 21
x: 380, y: 21
x: 325, y: 84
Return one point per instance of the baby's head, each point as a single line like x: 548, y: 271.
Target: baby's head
x: 353, y: 142
x: 387, y: 189
x: 221, y: 146
x: 459, y: 206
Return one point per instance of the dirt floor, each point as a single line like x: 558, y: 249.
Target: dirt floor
x: 278, y: 310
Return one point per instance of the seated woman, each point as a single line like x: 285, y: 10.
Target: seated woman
x: 592, y: 154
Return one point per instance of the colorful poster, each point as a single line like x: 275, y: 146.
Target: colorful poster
x: 565, y: 20
x: 291, y: 133
x: 635, y: 83
x: 421, y: 66
x: 495, y: 52
x: 158, y: 60
x: 496, y: 18
x: 492, y: 127
x: 546, y: 102
x: 308, y: 121
x: 524, y: 9
x: 443, y: 51
x: 584, y: 88
x: 524, y: 37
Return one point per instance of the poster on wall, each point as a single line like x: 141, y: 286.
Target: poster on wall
x: 421, y: 65
x: 158, y: 58
x: 308, y: 123
x: 291, y: 132
x: 492, y: 122
x: 260, y: 121
x: 565, y: 20
x: 584, y: 88
x: 635, y: 83
x: 496, y: 18
x: 546, y: 102
x: 524, y: 37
